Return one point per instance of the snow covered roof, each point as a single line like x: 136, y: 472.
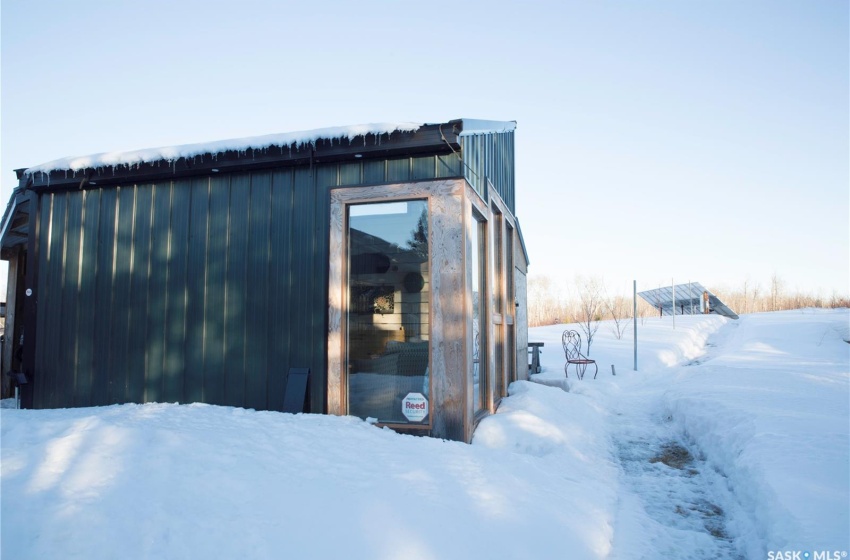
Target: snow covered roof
x: 173, y: 153
x: 475, y: 126
x: 291, y: 140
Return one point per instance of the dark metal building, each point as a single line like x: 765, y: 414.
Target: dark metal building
x: 207, y: 277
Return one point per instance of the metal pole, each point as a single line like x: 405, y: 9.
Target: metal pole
x: 673, y: 284
x: 634, y: 316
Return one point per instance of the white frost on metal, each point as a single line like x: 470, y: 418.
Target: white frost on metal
x: 173, y: 153
x: 475, y: 126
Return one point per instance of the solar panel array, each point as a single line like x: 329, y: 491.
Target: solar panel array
x: 689, y: 300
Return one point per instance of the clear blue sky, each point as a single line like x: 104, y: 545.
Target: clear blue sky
x: 699, y: 140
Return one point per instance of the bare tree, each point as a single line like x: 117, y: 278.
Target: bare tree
x: 756, y: 292
x: 539, y: 289
x: 549, y: 301
x: 619, y: 309
x: 776, y: 297
x: 590, y: 307
x: 645, y: 311
x: 775, y: 290
x: 543, y: 301
x: 838, y: 300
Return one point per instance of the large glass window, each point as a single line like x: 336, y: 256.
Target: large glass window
x: 478, y: 264
x: 498, y: 306
x: 510, y: 305
x: 498, y: 264
x: 387, y: 321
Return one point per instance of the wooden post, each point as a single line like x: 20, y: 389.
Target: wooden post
x: 634, y: 316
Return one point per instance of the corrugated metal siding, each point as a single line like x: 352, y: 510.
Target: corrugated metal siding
x: 490, y: 156
x: 194, y: 290
x: 87, y: 293
x: 280, y: 278
x: 45, y: 328
x: 215, y: 267
x: 157, y: 326
x: 139, y: 281
x: 102, y: 305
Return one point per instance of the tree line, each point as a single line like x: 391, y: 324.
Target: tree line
x: 586, y: 300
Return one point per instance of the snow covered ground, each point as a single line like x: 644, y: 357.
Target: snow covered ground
x: 732, y: 441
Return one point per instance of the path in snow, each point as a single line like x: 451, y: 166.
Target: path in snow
x: 672, y: 503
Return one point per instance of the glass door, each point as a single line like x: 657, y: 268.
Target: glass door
x: 388, y: 318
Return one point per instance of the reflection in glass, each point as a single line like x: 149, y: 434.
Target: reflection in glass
x: 479, y: 290
x: 510, y: 304
x: 498, y: 307
x: 387, y: 321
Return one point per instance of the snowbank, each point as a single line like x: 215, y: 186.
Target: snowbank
x: 770, y: 409
x: 198, y: 481
x: 760, y: 403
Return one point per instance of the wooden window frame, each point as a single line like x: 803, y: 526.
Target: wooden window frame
x: 446, y: 234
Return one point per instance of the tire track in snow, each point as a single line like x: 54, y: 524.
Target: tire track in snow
x: 673, y: 503
x: 681, y: 504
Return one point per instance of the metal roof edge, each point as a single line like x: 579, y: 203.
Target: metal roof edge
x: 478, y: 126
x: 7, y: 215
x: 427, y: 138
x: 17, y: 197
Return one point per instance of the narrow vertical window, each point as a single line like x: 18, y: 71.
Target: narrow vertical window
x: 498, y: 306
x: 388, y: 317
x: 498, y: 263
x: 510, y: 306
x: 478, y: 265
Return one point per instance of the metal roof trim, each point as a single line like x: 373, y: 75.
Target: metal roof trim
x: 478, y: 126
x: 426, y: 139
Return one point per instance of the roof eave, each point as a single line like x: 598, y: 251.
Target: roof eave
x: 14, y: 227
x: 431, y: 139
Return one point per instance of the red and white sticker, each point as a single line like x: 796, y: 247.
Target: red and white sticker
x: 414, y: 407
